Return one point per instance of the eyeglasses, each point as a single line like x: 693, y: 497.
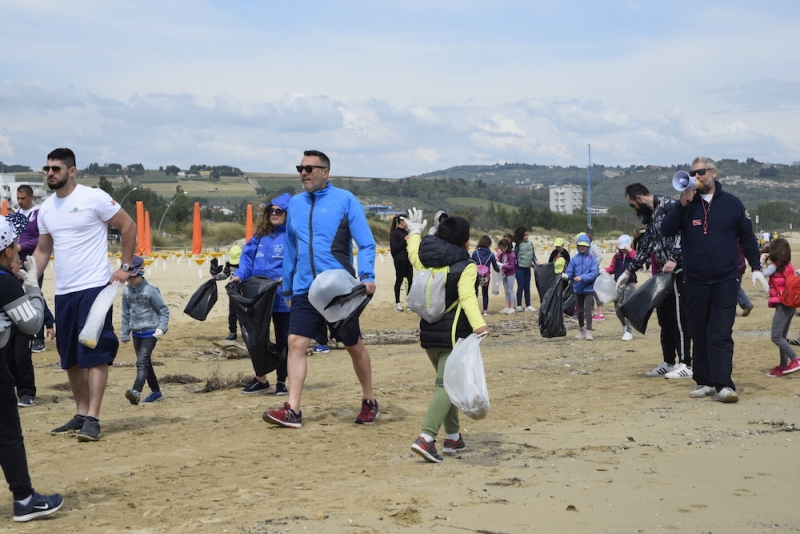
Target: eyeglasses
x: 700, y: 172
x: 309, y: 168
x: 54, y: 168
x: 276, y: 211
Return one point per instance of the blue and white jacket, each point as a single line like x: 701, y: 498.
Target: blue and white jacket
x: 143, y: 310
x: 583, y: 264
x: 320, y: 228
x: 263, y: 256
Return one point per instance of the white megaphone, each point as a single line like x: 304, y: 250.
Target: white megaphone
x: 682, y: 181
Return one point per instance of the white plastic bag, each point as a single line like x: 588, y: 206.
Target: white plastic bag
x: 90, y: 334
x: 331, y: 284
x: 497, y: 279
x: 605, y: 287
x: 464, y: 378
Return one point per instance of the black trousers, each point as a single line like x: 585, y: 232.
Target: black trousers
x: 711, y: 311
x: 12, y: 448
x: 231, y: 317
x: 675, y: 338
x: 17, y: 355
x: 402, y: 271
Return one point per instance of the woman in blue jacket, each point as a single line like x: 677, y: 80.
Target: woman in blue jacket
x: 583, y: 270
x: 263, y: 256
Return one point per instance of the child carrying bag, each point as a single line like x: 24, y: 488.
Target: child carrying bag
x: 464, y: 378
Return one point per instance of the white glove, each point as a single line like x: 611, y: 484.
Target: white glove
x: 623, y: 279
x: 414, y: 222
x: 564, y: 276
x: 758, y: 277
x: 158, y: 334
x: 29, y: 274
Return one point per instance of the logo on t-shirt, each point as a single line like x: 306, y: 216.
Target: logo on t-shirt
x: 113, y: 202
x: 76, y: 209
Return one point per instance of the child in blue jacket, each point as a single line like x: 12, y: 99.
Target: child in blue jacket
x: 582, y: 271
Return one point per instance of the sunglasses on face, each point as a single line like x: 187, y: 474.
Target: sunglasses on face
x: 54, y: 168
x: 699, y: 172
x: 309, y: 168
x: 276, y: 211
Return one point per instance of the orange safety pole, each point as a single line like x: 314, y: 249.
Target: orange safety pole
x: 197, y: 231
x: 139, y: 227
x: 5, y: 207
x: 248, y: 224
x: 148, y: 245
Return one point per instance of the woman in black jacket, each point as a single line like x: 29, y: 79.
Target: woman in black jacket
x: 402, y: 267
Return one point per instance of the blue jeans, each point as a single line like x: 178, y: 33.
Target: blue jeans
x: 144, y: 364
x: 523, y: 285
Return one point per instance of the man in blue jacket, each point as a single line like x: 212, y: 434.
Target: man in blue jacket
x: 712, y: 224
x: 320, y: 226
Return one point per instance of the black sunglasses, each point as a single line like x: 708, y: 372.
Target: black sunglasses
x: 700, y: 172
x: 309, y: 168
x: 54, y: 168
x: 277, y: 211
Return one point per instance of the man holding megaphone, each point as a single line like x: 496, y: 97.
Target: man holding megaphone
x: 712, y: 224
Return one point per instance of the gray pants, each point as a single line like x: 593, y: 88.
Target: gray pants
x: 624, y: 294
x: 781, y: 322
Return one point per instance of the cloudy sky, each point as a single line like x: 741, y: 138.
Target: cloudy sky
x: 396, y: 88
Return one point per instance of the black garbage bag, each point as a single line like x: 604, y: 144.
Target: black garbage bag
x: 341, y: 328
x: 639, y: 306
x: 544, y: 275
x: 252, y: 301
x: 202, y: 301
x: 551, y: 311
x: 570, y: 301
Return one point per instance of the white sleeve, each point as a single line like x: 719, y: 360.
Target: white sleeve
x: 104, y: 206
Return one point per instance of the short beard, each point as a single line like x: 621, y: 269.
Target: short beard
x: 57, y: 185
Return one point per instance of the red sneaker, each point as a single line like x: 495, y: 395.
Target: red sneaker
x: 369, y: 412
x: 284, y: 417
x: 454, y: 446
x: 776, y: 372
x: 426, y: 450
x: 793, y: 366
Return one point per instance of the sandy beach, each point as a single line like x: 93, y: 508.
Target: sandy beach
x: 577, y: 439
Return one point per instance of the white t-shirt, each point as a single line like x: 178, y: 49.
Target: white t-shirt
x: 78, y: 225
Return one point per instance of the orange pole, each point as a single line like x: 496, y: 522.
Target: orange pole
x: 248, y: 224
x: 197, y: 231
x: 5, y: 207
x: 148, y: 245
x: 139, y: 227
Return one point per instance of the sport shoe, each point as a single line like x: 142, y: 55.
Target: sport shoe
x: 369, y: 412
x: 727, y: 395
x: 26, y: 401
x: 426, y: 450
x: 519, y: 308
x: 284, y: 417
x: 627, y: 336
x: 794, y: 341
x: 90, y: 430
x: 776, y: 372
x: 133, y: 396
x: 589, y: 336
x: 38, y: 506
x: 38, y: 345
x: 254, y: 386
x: 703, y: 391
x: 598, y: 317
x: 280, y: 389
x: 680, y: 371
x: 581, y: 334
x: 73, y: 425
x: 231, y: 337
x: 485, y: 313
x: 454, y: 446
x: 793, y: 366
x: 154, y: 396
x: 510, y: 311
x: 398, y: 307
x: 322, y: 349
x: 746, y: 311
x: 530, y: 309
x: 660, y: 370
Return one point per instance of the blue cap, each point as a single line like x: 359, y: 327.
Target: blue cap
x: 136, y: 266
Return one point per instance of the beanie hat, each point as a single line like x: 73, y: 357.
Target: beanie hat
x: 583, y: 239
x: 624, y: 241
x: 234, y: 254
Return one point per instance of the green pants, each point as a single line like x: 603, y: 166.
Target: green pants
x: 440, y: 410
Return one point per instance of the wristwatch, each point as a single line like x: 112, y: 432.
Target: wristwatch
x: 125, y: 267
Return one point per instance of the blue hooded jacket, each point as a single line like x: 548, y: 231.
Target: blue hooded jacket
x: 583, y: 264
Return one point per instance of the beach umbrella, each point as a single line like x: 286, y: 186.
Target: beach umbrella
x: 248, y: 224
x: 197, y: 231
x: 148, y: 245
x: 139, y: 227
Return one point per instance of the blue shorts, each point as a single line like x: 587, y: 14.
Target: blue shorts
x: 72, y: 310
x: 306, y: 321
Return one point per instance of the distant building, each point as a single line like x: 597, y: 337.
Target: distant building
x: 384, y: 211
x: 565, y: 198
x: 8, y: 190
x: 796, y: 163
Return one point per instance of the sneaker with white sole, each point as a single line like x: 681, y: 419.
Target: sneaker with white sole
x: 627, y: 336
x: 701, y: 392
x: 680, y: 371
x: 485, y: 313
x: 727, y: 395
x: 284, y: 416
x: 398, y: 307
x: 581, y: 334
x: 511, y: 311
x: 452, y: 446
x: 589, y: 336
x: 793, y: 366
x: 530, y: 309
x: 38, y: 506
x: 519, y: 308
x: 426, y: 450
x: 660, y: 370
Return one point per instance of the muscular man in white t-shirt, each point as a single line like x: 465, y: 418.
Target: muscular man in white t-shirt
x: 73, y: 225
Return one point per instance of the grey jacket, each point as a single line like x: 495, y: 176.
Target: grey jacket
x: 142, y: 309
x: 23, y: 309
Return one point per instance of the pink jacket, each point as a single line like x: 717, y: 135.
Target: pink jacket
x: 509, y: 261
x: 777, y: 284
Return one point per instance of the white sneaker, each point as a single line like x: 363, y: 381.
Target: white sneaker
x: 530, y: 309
x: 511, y: 311
x: 679, y: 371
x: 627, y: 336
x: 727, y: 395
x: 504, y: 311
x: 660, y: 370
x: 485, y: 313
x: 519, y: 308
x: 398, y: 307
x: 703, y: 391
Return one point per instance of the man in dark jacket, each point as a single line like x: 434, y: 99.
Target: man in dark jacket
x: 712, y: 224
